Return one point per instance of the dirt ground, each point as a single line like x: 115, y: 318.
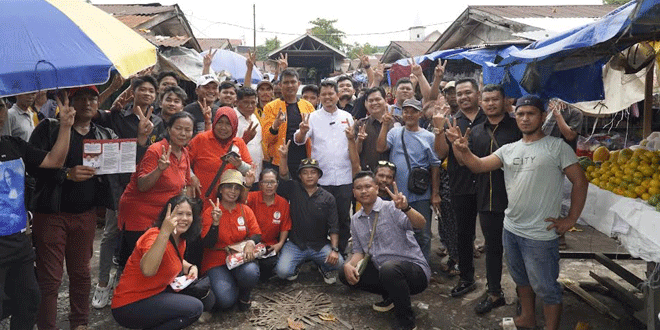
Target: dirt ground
x: 434, y: 308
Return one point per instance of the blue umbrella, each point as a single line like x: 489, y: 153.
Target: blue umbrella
x: 234, y: 64
x: 48, y: 44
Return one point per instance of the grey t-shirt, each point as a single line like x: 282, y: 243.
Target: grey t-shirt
x: 573, y: 118
x: 533, y: 176
x: 394, y: 238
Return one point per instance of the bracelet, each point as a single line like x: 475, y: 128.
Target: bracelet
x: 408, y: 208
x: 190, y: 268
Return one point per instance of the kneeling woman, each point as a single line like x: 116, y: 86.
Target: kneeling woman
x: 226, y: 222
x: 141, y: 300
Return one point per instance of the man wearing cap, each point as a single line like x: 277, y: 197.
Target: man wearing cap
x: 325, y: 129
x: 313, y: 218
x: 534, y: 169
x: 264, y: 96
x: 249, y: 127
x: 411, y: 147
x: 462, y: 182
x: 207, y: 94
x: 449, y: 91
x: 65, y: 211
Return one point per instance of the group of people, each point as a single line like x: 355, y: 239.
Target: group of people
x: 242, y: 167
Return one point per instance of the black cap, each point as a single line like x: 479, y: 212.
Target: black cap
x: 532, y: 100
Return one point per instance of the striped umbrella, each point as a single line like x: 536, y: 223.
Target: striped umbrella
x: 49, y: 44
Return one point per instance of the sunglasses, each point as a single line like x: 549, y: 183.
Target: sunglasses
x: 309, y: 161
x: 386, y: 164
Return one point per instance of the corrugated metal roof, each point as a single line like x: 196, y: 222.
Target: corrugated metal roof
x: 167, y: 41
x: 215, y: 43
x: 414, y: 48
x: 134, y: 20
x: 567, y: 11
x: 147, y: 9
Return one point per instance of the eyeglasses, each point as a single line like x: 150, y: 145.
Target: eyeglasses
x: 268, y: 183
x: 386, y: 163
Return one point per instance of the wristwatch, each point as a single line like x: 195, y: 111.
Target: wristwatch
x: 335, y: 249
x: 408, y: 208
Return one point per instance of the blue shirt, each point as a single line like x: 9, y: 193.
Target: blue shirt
x: 420, y: 151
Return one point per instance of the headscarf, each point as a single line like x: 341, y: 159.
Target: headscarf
x: 233, y: 120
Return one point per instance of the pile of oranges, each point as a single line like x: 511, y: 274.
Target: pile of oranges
x: 633, y: 174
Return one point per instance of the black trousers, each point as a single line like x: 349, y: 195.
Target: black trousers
x: 465, y: 209
x: 19, y: 291
x: 396, y: 280
x: 267, y: 267
x: 343, y: 195
x: 491, y: 227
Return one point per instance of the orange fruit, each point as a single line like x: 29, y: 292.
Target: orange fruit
x: 646, y: 196
x: 639, y: 190
x: 601, y: 154
x: 654, y: 190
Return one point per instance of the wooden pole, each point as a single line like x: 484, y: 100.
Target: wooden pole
x: 648, y: 102
x: 254, y: 20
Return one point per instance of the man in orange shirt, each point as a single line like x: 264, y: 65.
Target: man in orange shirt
x: 272, y: 212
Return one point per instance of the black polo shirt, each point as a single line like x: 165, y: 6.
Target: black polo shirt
x: 18, y: 247
x: 313, y: 218
x: 196, y: 111
x: 491, y: 192
x: 369, y: 157
x: 461, y: 180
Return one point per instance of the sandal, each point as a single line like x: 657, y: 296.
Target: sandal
x: 442, y: 251
x: 450, y: 268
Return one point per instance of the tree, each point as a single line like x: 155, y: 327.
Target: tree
x: 325, y: 30
x: 615, y: 2
x: 268, y: 46
x: 354, y: 51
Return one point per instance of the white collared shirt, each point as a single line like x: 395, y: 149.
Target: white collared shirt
x: 330, y: 146
x: 254, y: 146
x: 19, y: 123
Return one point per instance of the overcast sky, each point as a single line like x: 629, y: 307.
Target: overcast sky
x: 362, y: 21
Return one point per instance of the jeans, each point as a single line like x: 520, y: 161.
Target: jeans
x: 423, y: 236
x: 229, y: 286
x: 465, y: 209
x: 396, y: 280
x: 343, y: 195
x: 109, y: 243
x: 291, y: 256
x: 164, y: 311
x: 19, y: 291
x: 61, y: 236
x: 534, y: 263
x: 491, y: 227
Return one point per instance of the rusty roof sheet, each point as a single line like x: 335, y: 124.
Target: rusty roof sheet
x: 133, y: 21
x: 167, y: 41
x: 559, y: 11
x: 138, y: 9
x: 216, y: 43
x: 414, y: 48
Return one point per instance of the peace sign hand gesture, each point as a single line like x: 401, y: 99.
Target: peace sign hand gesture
x: 415, y: 68
x: 122, y: 100
x: 441, y: 111
x: 350, y: 132
x: 283, y: 62
x: 379, y: 73
x: 388, y: 117
x: 439, y: 71
x: 145, y: 126
x: 164, y: 160
x: 208, y: 58
x: 279, y: 119
x: 250, y: 133
x: 362, y: 133
x: 304, y: 124
x: 453, y: 132
x: 216, y: 213
x: 171, y: 220
x: 251, y: 59
x: 400, y: 201
x: 284, y: 150
x: 206, y: 110
x: 67, y: 113
x: 461, y: 143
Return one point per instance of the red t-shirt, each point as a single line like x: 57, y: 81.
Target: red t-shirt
x: 133, y: 285
x: 235, y: 226
x: 205, y: 158
x: 138, y: 210
x: 272, y: 219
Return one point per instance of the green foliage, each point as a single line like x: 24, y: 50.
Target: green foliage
x: 268, y: 46
x: 325, y: 30
x: 356, y: 49
x: 615, y: 2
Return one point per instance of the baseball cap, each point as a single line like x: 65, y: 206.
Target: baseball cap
x: 451, y: 84
x: 532, y: 100
x: 76, y: 90
x: 206, y: 79
x: 310, y: 163
x: 413, y: 103
x: 264, y: 82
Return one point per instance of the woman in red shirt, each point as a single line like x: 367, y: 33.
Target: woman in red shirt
x: 140, y: 300
x: 272, y: 212
x: 225, y: 223
x: 163, y: 172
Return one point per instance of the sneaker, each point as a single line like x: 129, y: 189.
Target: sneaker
x: 329, y: 277
x: 383, y: 306
x: 489, y: 304
x: 205, y: 317
x: 462, y: 288
x: 101, y: 296
x: 294, y: 276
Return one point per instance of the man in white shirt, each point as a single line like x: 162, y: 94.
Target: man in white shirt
x: 326, y: 129
x: 20, y: 118
x: 249, y: 127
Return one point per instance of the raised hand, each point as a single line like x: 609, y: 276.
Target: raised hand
x: 208, y: 58
x: 250, y: 132
x: 415, y: 68
x: 388, y: 117
x: 216, y: 213
x: 439, y: 71
x: 251, y: 59
x: 279, y: 119
x: 413, y: 79
x: 206, y: 110
x: 461, y: 143
x: 67, y: 113
x: 304, y: 124
x: 171, y: 220
x: 251, y: 176
x: 164, y: 160
x: 122, y: 100
x: 362, y: 133
x: 284, y: 150
x: 440, y: 113
x: 453, y: 132
x: 350, y: 132
x: 145, y: 126
x: 117, y: 82
x: 400, y: 200
x: 379, y: 73
x: 364, y: 60
x: 283, y: 62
